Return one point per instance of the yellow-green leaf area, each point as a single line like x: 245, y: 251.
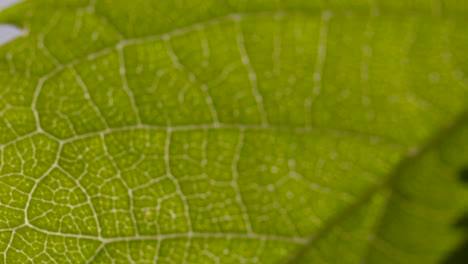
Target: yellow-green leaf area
x: 235, y: 131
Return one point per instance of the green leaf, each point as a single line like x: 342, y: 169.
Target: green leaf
x: 233, y: 131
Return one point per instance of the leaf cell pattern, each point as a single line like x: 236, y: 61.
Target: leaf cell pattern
x: 232, y: 131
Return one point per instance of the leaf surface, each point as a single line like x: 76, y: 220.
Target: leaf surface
x: 233, y: 131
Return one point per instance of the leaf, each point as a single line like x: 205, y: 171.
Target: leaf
x: 233, y: 131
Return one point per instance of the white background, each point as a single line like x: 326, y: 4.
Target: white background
x: 8, y: 32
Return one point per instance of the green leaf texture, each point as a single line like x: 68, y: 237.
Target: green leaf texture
x: 233, y: 131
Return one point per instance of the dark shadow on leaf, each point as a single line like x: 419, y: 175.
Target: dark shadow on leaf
x: 460, y: 255
x: 464, y: 175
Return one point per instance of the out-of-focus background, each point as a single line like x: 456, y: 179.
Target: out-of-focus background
x: 8, y: 32
x: 5, y: 3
